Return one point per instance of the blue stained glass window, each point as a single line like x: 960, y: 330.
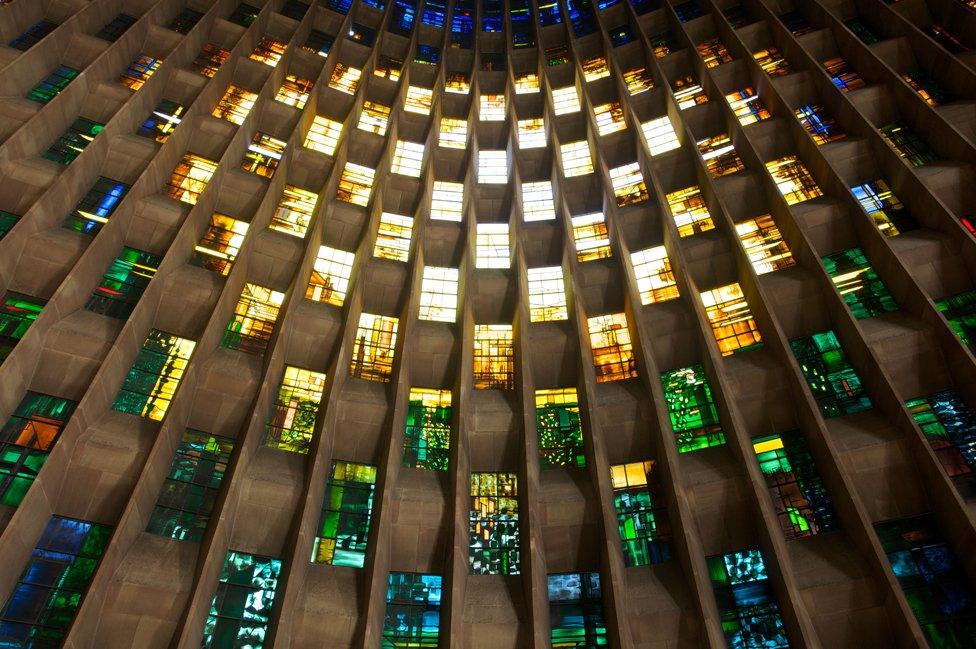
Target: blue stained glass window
x: 749, y: 614
x: 404, y: 15
x: 549, y: 13
x: 576, y: 611
x: 523, y: 27
x: 52, y: 84
x: 413, y: 611
x: 620, y: 35
x: 342, y: 6
x: 688, y: 11
x: 376, y: 4
x: 95, y: 208
x: 434, y: 12
x: 642, y: 6
x: 428, y: 54
x: 33, y: 35
x: 581, y: 17
x: 462, y: 24
x: 241, y: 607
x: 492, y: 16
x: 606, y: 4
x: 950, y: 428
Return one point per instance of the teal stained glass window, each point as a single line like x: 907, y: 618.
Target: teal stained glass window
x: 863, y: 291
x: 52, y: 586
x: 427, y: 438
x: 123, y: 283
x: 960, y: 311
x: 932, y: 579
x: 750, y: 615
x: 557, y: 421
x: 52, y: 84
x: 241, y: 607
x: 7, y: 221
x: 17, y: 313
x: 950, y: 428
x: 190, y: 490
x: 95, y: 208
x: 244, y: 14
x: 576, y: 611
x: 346, y: 515
x: 908, y: 144
x: 26, y: 440
x: 642, y: 514
x: 691, y: 409
x: 493, y: 524
x: 72, y: 142
x: 292, y: 422
x: 835, y: 385
x: 800, y: 498
x: 151, y: 384
x: 413, y: 611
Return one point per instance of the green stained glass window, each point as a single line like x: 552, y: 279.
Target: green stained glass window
x: 950, y: 428
x: 241, y: 607
x: 960, y: 311
x: 7, y: 221
x: 862, y: 30
x: 123, y: 283
x: 933, y: 580
x: 557, y: 420
x: 51, y: 588
x: 25, y: 441
x: 17, y: 313
x: 151, y: 384
x: 493, y: 524
x: 52, y: 84
x: 908, y: 144
x: 642, y: 514
x: 95, y: 208
x: 749, y: 614
x: 72, y: 142
x: 863, y: 291
x: 190, y: 490
x: 691, y: 409
x: 253, y: 321
x: 834, y: 383
x: 296, y: 407
x: 244, y: 14
x: 576, y: 611
x: 346, y: 515
x: 427, y: 438
x: 800, y: 499
x: 413, y: 611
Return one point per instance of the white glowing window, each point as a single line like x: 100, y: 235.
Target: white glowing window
x: 419, y: 100
x: 492, y: 108
x: 610, y: 118
x: 408, y: 158
x: 393, y: 237
x: 330, y: 276
x: 446, y: 201
x: 439, y: 294
x: 493, y: 167
x: 547, y: 294
x: 628, y: 184
x: 591, y: 237
x: 374, y: 118
x: 576, y: 158
x: 537, y: 201
x: 492, y: 246
x: 565, y: 100
x: 655, y: 278
x: 660, y: 135
x: 356, y: 184
x: 345, y: 78
x: 531, y: 133
x: 453, y: 133
x: 526, y: 84
x: 323, y: 135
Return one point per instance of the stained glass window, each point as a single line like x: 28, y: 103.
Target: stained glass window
x: 453, y: 133
x: 139, y: 71
x: 884, y: 208
x: 268, y: 51
x: 493, y: 167
x: 492, y: 246
x: 156, y: 373
x: 241, y: 608
x: 772, y: 62
x: 33, y: 35
x: 576, y: 159
x: 660, y: 135
x: 123, y: 283
x: 764, y: 245
x: 835, y: 385
x: 927, y: 87
x: 843, y: 76
x: 720, y: 156
x: 747, y: 106
x: 294, y: 212
x: 590, y: 237
x: 52, y: 84
x: 493, y: 524
x: 393, y: 237
x: 537, y: 201
x: 244, y: 14
x: 558, y: 425
x: 688, y: 92
x: 263, y: 154
x: 613, y: 351
x: 863, y: 291
x: 72, y: 142
x: 234, y: 106
x: 628, y: 185
x: 960, y: 311
x: 318, y: 42
x: 638, y: 80
x: 439, y: 294
x: 932, y: 579
x: 609, y: 118
x: 689, y: 211
x: 413, y: 610
x: 408, y: 158
x: 691, y: 409
x: 374, y: 118
x: 576, y: 611
x: 565, y: 100
x: 96, y: 206
x: 655, y: 277
x: 418, y: 100
x: 733, y: 326
x: 950, y: 428
x: 355, y: 184
x: 494, y: 357
x: 427, y: 438
x: 190, y: 178
x: 642, y: 513
x: 294, y: 91
x: 113, y: 29
x: 253, y: 320
x: 793, y: 180
x: 292, y: 420
x: 821, y: 126
x: 373, y: 349
x: 347, y: 511
x: 331, y: 271
x: 714, y: 52
x: 800, y: 498
x: 446, y: 201
x: 163, y: 120
x: 220, y: 243
x: 908, y: 144
x: 749, y: 613
x: 209, y: 60
x: 52, y: 587
x: 26, y: 440
x: 190, y: 489
x: 17, y: 313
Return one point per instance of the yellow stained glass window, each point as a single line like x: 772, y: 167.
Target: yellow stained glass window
x: 294, y: 212
x: 595, y: 68
x: 747, y: 106
x: 547, y: 294
x: 772, y: 62
x: 355, y: 184
x: 655, y: 278
x: 537, y: 201
x: 323, y: 135
x: 732, y: 322
x: 492, y: 108
x: 190, y: 178
x: 263, y: 154
x: 793, y: 179
x: 253, y: 321
x: 591, y: 236
x: 609, y: 118
x: 714, y: 53
x: 720, y: 156
x: 492, y: 246
x: 446, y: 201
x: 764, y: 244
x: 330, y: 276
x: 576, y: 158
x: 220, y: 243
x: 235, y: 104
x: 458, y: 83
x: 291, y: 424
x: 660, y: 135
x: 439, y: 294
x: 453, y: 133
x: 295, y: 91
x: 628, y: 185
x: 493, y: 167
x: 269, y: 51
x: 613, y: 352
x: 408, y: 158
x: 374, y: 118
x: 494, y: 357
x: 388, y: 67
x: 526, y: 84
x: 531, y: 133
x: 393, y: 237
x: 149, y: 387
x: 565, y: 100
x: 345, y: 78
x: 688, y: 92
x: 419, y: 100
x: 689, y: 211
x: 372, y: 351
x: 638, y: 80
x: 139, y: 71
